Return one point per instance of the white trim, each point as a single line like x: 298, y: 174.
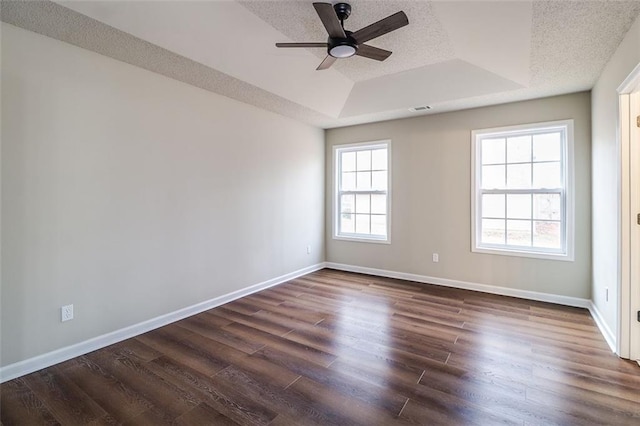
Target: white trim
x: 363, y: 239
x: 634, y: 231
x: 624, y: 229
x: 566, y: 192
x: 624, y: 318
x: 608, y: 335
x: 39, y: 362
x: 632, y: 81
x: 383, y: 143
x: 465, y: 285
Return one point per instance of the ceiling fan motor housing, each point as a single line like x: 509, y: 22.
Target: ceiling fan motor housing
x: 342, y: 47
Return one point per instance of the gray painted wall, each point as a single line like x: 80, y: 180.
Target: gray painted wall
x: 606, y: 166
x: 131, y: 195
x: 431, y: 193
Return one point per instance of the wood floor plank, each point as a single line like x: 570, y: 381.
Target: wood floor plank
x: 616, y: 394
x: 291, y: 403
x: 352, y: 410
x: 173, y: 345
x: 169, y: 401
x: 341, y: 348
x: 437, y: 414
x: 583, y: 411
x: 136, y: 350
x: 221, y: 335
x: 302, y: 351
x: 259, y: 323
x: 66, y: 401
x: 203, y: 415
x: 121, y: 402
x: 258, y: 367
x: 390, y: 401
x: 220, y: 395
x: 19, y: 405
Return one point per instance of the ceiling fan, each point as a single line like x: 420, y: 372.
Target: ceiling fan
x: 344, y: 44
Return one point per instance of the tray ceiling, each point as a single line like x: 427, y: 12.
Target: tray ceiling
x: 452, y: 55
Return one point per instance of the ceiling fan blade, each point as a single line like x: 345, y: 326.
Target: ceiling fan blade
x: 383, y: 26
x: 330, y: 20
x: 301, y: 45
x: 372, y: 52
x: 326, y: 63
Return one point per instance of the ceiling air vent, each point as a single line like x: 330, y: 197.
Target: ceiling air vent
x: 420, y: 108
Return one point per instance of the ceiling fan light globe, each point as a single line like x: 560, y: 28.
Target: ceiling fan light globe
x: 342, y: 51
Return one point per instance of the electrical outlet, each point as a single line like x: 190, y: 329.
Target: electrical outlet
x: 435, y: 257
x: 66, y: 313
x: 308, y: 249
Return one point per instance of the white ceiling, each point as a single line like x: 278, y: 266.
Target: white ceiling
x: 452, y: 55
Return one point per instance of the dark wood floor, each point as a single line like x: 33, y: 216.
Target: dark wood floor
x: 341, y: 348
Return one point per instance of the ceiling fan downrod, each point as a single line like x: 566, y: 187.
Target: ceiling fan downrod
x: 343, y: 10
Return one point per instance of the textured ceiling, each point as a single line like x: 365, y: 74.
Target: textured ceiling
x: 452, y: 55
x: 421, y: 43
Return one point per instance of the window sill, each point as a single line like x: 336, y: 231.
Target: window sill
x: 524, y: 253
x: 359, y: 239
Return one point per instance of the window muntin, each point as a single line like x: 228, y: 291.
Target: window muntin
x: 522, y: 189
x: 362, y: 191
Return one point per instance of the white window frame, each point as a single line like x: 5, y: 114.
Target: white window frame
x: 566, y: 253
x: 337, y: 150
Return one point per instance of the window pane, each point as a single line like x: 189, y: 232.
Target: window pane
x: 492, y: 177
x: 546, y: 147
x: 348, y: 161
x: 493, y: 231
x: 364, y: 160
x: 520, y: 180
x: 363, y: 203
x: 347, y: 203
x: 379, y: 159
x: 362, y: 189
x: 547, y: 234
x: 348, y: 181
x: 379, y: 225
x: 493, y: 151
x: 546, y: 206
x: 546, y: 175
x: 519, y: 149
x: 379, y: 204
x: 493, y: 205
x: 363, y: 180
x: 362, y: 224
x: 347, y: 223
x: 519, y: 232
x: 379, y: 181
x: 519, y: 176
x: 519, y: 206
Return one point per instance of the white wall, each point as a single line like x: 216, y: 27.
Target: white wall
x: 605, y: 172
x: 131, y: 195
x: 431, y: 193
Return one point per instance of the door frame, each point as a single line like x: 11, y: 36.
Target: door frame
x: 629, y: 291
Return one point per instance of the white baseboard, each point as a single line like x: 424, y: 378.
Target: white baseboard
x: 39, y: 362
x: 602, y: 325
x: 608, y: 335
x: 465, y: 285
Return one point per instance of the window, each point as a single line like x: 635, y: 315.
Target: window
x: 362, y: 191
x: 523, y: 190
